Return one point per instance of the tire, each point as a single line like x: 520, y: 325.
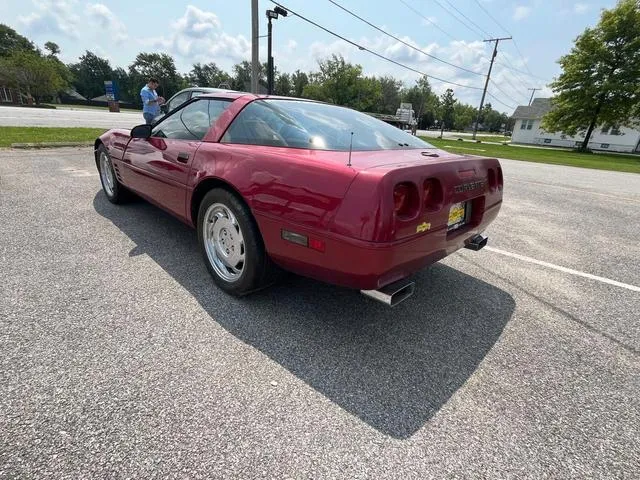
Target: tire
x: 231, y: 244
x: 112, y: 188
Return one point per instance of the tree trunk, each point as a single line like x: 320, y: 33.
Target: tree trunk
x: 585, y: 142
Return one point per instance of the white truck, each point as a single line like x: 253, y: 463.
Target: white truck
x: 405, y: 117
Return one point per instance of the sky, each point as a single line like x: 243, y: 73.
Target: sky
x: 220, y: 31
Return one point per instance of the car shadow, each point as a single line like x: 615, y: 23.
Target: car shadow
x: 391, y: 368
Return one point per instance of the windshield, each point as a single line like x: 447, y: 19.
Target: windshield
x: 300, y: 124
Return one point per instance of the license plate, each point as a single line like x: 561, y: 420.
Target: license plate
x: 457, y: 215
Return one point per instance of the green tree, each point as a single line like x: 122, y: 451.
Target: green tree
x: 11, y: 41
x: 299, y: 80
x: 283, y: 85
x: 390, y: 89
x: 342, y: 83
x: 157, y: 65
x: 420, y: 96
x: 52, y: 48
x: 447, y: 112
x: 208, y: 75
x: 599, y: 82
x: 241, y: 78
x: 89, y: 74
x: 37, y: 76
x: 463, y: 116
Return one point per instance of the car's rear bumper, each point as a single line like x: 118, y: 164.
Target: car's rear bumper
x: 365, y: 265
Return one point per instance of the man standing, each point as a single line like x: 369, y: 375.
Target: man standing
x: 150, y: 100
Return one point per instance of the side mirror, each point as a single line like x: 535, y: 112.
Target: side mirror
x: 141, y: 131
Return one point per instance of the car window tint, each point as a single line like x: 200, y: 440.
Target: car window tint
x: 255, y: 125
x: 195, y: 118
x: 301, y: 124
x: 197, y: 94
x: 178, y: 100
x: 216, y: 107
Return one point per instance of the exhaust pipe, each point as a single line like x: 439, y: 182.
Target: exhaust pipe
x: 392, y: 294
x: 476, y: 242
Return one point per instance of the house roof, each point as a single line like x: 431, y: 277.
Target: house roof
x: 538, y: 108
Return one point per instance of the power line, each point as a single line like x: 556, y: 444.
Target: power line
x: 515, y: 44
x: 371, y: 51
x: 503, y: 92
x: 427, y: 19
x: 470, y: 21
x: 500, y: 101
x: 402, y: 41
x: 491, y: 17
x: 475, y: 31
x: 522, y: 72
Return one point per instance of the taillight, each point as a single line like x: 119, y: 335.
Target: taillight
x: 432, y: 194
x: 405, y: 199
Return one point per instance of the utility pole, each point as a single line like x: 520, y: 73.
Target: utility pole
x: 533, y: 91
x: 255, y: 58
x: 486, y: 83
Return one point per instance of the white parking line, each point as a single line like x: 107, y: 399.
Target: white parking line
x: 578, y: 273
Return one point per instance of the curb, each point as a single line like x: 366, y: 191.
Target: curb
x: 51, y: 145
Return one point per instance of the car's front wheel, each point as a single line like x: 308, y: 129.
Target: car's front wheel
x: 231, y: 244
x: 113, y: 190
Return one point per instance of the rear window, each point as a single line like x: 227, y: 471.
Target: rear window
x: 300, y: 124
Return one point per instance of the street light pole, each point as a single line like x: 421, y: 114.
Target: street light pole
x: 272, y: 14
x: 255, y: 58
x: 269, y: 58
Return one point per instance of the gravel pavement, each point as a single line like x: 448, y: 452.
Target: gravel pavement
x: 120, y: 359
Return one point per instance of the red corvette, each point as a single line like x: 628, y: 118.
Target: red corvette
x: 316, y: 189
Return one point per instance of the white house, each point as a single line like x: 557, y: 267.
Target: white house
x: 604, y: 137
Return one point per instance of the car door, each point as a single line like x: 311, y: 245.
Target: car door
x: 159, y: 165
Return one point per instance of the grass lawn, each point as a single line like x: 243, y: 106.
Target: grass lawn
x: 600, y: 161
x: 9, y: 135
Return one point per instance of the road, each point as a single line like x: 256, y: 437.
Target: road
x: 120, y: 359
x: 44, y: 117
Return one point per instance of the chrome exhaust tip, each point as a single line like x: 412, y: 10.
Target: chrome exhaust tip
x: 393, y: 293
x: 477, y: 242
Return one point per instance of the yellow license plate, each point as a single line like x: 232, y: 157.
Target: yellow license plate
x: 457, y: 214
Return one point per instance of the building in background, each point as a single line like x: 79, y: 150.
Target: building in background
x: 527, y: 130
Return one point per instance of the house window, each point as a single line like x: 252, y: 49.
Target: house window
x: 547, y: 140
x: 526, y: 125
x: 615, y: 130
x: 604, y: 145
x: 605, y: 130
x: 5, y: 95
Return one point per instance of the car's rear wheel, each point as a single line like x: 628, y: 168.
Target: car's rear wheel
x: 231, y: 244
x: 112, y: 188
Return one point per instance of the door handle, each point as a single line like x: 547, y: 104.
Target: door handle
x: 183, y: 157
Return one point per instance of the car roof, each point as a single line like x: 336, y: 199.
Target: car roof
x: 233, y: 94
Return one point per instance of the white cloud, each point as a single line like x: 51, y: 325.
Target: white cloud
x: 52, y: 17
x: 198, y: 37
x: 108, y: 21
x: 580, y: 8
x: 521, y: 12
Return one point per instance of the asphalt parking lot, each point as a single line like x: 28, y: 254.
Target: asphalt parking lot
x: 120, y: 359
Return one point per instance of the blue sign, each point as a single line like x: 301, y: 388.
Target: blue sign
x: 111, y: 90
